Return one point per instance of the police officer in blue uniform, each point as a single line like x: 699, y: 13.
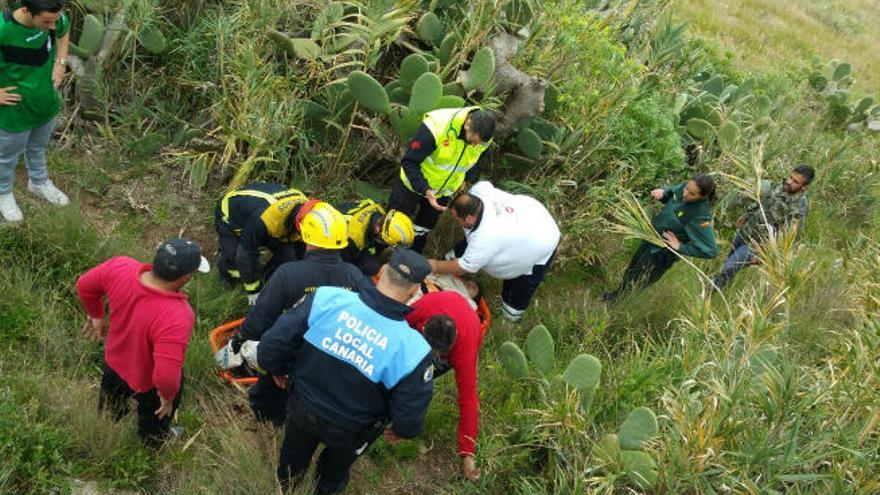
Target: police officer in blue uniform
x: 325, y: 233
x: 354, y: 365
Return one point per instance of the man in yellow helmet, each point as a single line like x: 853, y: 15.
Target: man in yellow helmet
x: 448, y: 149
x: 255, y: 216
x: 325, y: 234
x: 371, y: 230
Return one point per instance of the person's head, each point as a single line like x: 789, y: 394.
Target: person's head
x: 479, y: 127
x: 403, y: 275
x: 700, y: 186
x: 474, y: 290
x: 394, y: 229
x: 799, y: 179
x: 176, y: 260
x: 42, y: 14
x: 439, y: 331
x: 323, y: 227
x: 466, y: 210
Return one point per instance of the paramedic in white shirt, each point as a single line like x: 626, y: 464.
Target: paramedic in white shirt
x: 509, y: 236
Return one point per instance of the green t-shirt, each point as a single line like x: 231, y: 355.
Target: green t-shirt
x: 27, y: 56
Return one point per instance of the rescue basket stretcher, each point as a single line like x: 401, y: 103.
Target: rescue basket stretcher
x: 220, y: 335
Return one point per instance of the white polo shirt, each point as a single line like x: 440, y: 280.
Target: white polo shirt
x: 515, y: 233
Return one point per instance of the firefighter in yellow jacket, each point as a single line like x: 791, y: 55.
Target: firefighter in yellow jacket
x: 448, y: 149
x: 258, y: 215
x: 371, y: 230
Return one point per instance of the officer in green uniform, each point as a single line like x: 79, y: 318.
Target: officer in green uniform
x: 684, y: 223
x: 34, y: 37
x: 779, y: 207
x: 448, y: 149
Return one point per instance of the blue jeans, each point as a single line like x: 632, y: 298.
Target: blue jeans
x: 33, y: 144
x: 739, y: 257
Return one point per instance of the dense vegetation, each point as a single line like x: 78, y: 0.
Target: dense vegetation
x: 770, y: 387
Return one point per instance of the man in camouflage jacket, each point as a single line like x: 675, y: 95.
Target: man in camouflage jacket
x: 780, y: 207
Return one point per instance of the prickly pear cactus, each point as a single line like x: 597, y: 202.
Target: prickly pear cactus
x: 583, y: 372
x: 541, y: 348
x: 639, y: 427
x: 430, y: 29
x: 451, y: 101
x: 426, y: 93
x: 529, y: 143
x: 152, y: 39
x: 368, y: 92
x: 700, y: 129
x: 90, y: 39
x: 640, y: 467
x: 481, y: 71
x: 513, y: 360
x: 413, y: 66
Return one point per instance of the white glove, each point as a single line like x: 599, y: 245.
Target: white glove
x: 252, y: 298
x: 249, y: 353
x: 227, y: 358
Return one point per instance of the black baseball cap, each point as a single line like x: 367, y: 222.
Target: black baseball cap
x: 178, y: 257
x: 412, y: 265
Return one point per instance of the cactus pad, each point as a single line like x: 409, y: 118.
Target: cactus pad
x: 607, y: 450
x: 368, y: 92
x: 426, y: 93
x: 530, y: 143
x: 583, y: 372
x: 700, y: 129
x: 152, y: 39
x: 551, y: 99
x: 92, y: 36
x: 519, y: 12
x: 405, y: 122
x: 481, y: 71
x: 451, y: 101
x: 713, y: 86
x: 841, y: 71
x: 413, y: 66
x: 640, y: 468
x: 546, y: 130
x: 430, y: 29
x: 743, y: 90
x: 541, y: 348
x: 453, y: 89
x: 639, y: 427
x: 513, y: 360
x: 447, y: 48
x: 728, y: 135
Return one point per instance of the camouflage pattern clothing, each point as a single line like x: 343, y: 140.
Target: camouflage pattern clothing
x: 781, y: 210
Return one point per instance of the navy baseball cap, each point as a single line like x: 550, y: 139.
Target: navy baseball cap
x: 178, y: 257
x: 412, y: 265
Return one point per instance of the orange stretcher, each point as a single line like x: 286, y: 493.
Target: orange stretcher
x: 220, y: 335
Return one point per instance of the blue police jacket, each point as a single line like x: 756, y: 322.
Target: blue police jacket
x: 353, y: 360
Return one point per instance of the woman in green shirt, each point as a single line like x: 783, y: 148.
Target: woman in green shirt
x: 33, y: 57
x: 684, y: 223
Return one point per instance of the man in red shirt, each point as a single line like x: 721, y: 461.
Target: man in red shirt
x: 452, y: 328
x: 150, y: 325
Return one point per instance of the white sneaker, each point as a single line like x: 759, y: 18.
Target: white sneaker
x: 49, y: 192
x: 9, y: 208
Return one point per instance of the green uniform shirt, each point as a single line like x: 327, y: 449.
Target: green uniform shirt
x: 690, y: 222
x: 781, y: 210
x: 27, y: 57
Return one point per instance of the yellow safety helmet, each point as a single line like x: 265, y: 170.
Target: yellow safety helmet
x: 397, y: 229
x: 324, y: 226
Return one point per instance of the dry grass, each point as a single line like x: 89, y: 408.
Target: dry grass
x: 764, y: 33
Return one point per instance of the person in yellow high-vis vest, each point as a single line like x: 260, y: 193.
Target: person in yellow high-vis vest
x: 254, y: 216
x: 372, y: 230
x: 448, y: 149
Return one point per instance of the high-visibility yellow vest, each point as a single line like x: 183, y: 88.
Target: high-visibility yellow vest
x: 358, y: 219
x: 279, y: 207
x: 445, y: 169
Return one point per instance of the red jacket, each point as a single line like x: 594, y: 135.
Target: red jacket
x: 462, y: 357
x: 149, y: 328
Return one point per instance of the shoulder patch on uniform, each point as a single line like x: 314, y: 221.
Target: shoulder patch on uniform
x: 429, y: 374
x: 415, y: 145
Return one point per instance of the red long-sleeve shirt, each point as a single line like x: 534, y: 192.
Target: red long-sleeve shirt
x: 462, y: 356
x: 149, y: 328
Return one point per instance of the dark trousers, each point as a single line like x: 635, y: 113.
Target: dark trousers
x: 416, y: 206
x: 115, y: 395
x: 648, y: 264
x: 268, y: 402
x: 228, y: 242
x: 516, y: 292
x: 303, y: 431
